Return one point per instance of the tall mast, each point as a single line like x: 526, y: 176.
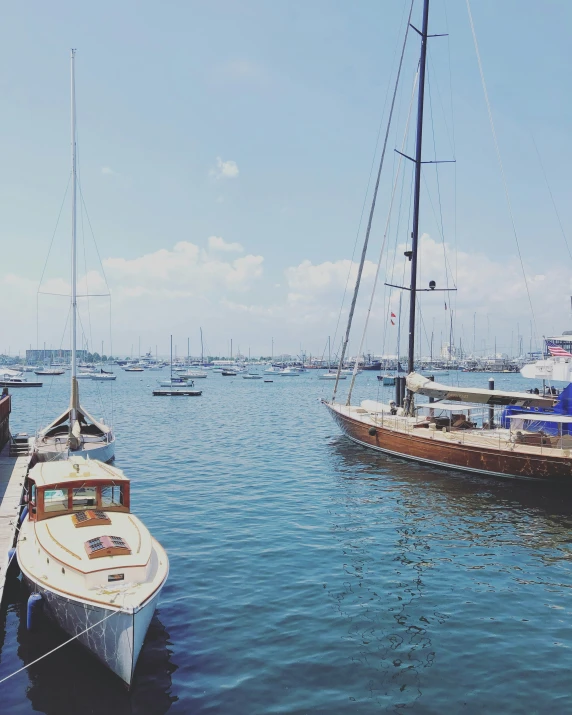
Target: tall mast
x: 74, y: 399
x: 418, y: 155
x: 202, y: 351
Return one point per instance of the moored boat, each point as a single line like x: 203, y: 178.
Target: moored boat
x: 490, y: 432
x: 94, y: 564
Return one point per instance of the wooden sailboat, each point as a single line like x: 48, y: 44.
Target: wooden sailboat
x: 460, y: 427
x: 74, y: 432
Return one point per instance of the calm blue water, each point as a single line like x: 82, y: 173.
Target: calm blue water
x: 309, y: 575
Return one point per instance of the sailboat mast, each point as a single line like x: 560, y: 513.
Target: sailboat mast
x: 74, y: 222
x: 202, y: 351
x: 418, y: 147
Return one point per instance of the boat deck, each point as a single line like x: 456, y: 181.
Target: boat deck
x: 12, y: 473
x: 497, y: 438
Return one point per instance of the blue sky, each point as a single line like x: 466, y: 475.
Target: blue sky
x: 287, y: 98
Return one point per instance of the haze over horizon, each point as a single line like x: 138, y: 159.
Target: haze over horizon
x: 225, y: 150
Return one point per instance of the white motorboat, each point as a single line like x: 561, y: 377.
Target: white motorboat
x: 74, y: 432
x: 92, y: 566
x: 84, y: 375
x: 289, y: 372
x: 15, y: 379
x: 251, y: 376
x: 104, y: 376
x: 193, y: 375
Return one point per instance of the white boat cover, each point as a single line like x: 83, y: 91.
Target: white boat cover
x: 423, y: 386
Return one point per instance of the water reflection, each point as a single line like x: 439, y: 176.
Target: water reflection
x: 410, y: 535
x: 70, y: 680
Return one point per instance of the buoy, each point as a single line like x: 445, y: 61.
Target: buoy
x: 23, y: 515
x: 34, y: 611
x: 13, y: 562
x: 372, y: 431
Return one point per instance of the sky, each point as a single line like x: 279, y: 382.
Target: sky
x: 225, y: 151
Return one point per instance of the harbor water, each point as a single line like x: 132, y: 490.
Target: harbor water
x: 308, y: 574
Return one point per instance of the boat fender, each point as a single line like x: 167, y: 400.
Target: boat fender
x: 34, y: 611
x: 23, y: 515
x: 372, y: 431
x: 13, y: 562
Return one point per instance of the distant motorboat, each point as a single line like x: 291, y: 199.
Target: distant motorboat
x: 17, y: 381
x: 251, y: 376
x: 193, y: 375
x: 84, y: 375
x: 331, y: 376
x: 49, y: 371
x: 228, y: 373
x: 103, y: 376
x: 134, y: 369
x: 289, y: 372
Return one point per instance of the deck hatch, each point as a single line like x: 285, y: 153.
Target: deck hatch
x: 90, y: 517
x: 106, y: 546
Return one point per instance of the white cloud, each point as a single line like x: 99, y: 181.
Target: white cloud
x: 224, y: 169
x: 220, y: 286
x: 108, y: 171
x: 216, y: 243
x: 186, y: 268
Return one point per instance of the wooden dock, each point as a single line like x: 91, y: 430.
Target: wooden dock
x: 12, y: 473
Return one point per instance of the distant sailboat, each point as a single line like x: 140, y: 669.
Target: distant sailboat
x: 74, y: 432
x: 330, y: 375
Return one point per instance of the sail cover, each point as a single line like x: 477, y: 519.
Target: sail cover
x: 477, y: 395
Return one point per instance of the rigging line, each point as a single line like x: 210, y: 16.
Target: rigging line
x: 52, y: 380
x: 372, y: 210
x: 378, y: 267
x: 61, y: 645
x: 366, y: 190
x: 446, y: 260
x: 564, y: 236
x: 437, y: 177
x: 55, y: 230
x: 93, y: 237
x: 397, y: 229
x: 86, y: 274
x: 505, y: 185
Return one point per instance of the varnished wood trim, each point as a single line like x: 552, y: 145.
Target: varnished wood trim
x: 65, y: 548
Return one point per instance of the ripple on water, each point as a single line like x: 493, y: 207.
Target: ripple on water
x: 310, y: 575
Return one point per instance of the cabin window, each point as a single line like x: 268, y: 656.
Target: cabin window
x: 111, y: 496
x: 55, y: 500
x: 84, y: 497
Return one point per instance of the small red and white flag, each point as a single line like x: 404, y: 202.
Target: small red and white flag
x: 393, y: 315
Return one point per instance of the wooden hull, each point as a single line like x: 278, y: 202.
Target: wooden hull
x: 452, y: 455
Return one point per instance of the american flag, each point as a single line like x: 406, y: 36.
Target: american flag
x: 556, y: 351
